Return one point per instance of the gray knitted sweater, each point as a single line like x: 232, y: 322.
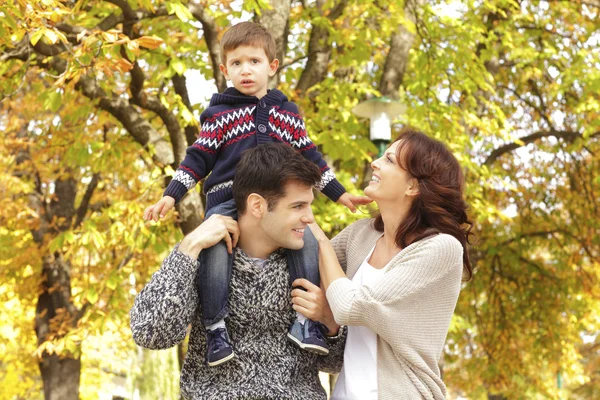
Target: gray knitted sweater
x: 266, y: 365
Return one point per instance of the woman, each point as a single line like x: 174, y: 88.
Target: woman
x: 402, y: 276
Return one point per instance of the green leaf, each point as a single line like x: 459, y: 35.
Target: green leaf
x: 36, y: 36
x: 53, y: 101
x: 178, y: 66
x: 179, y: 10
x: 113, y: 282
x: 92, y: 295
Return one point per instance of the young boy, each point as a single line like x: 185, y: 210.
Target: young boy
x: 243, y: 117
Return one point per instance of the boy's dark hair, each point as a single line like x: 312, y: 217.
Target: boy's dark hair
x: 248, y: 34
x: 266, y: 169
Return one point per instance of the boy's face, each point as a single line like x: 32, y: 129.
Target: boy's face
x: 249, y: 70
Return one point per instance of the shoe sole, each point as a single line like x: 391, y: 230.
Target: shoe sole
x: 221, y: 361
x: 308, y: 347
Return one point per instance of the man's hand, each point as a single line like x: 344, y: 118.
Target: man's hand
x: 313, y: 304
x: 351, y: 201
x: 209, y: 233
x: 162, y: 207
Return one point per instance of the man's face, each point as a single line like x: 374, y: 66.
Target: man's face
x: 249, y: 69
x: 284, y: 225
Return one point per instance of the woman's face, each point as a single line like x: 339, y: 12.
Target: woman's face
x: 390, y: 182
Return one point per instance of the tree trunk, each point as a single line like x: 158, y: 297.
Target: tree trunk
x: 61, y: 377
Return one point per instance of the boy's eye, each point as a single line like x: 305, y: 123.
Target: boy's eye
x: 236, y: 63
x: 255, y: 61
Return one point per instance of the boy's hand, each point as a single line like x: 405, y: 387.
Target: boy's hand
x: 351, y: 201
x: 161, y: 208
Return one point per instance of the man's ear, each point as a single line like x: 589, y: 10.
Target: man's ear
x: 273, y: 67
x: 413, y: 187
x: 224, y: 71
x: 256, y: 205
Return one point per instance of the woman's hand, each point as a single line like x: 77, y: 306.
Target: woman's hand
x: 313, y: 304
x: 318, y: 232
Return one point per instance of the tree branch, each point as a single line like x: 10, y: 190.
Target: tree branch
x: 179, y: 84
x: 277, y: 21
x: 398, y: 55
x: 211, y: 37
x: 319, y: 51
x: 529, y: 103
x: 566, y: 135
x: 85, y: 202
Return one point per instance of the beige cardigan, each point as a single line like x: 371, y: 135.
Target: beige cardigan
x: 409, y: 307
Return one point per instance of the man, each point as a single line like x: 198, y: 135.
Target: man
x: 273, y: 193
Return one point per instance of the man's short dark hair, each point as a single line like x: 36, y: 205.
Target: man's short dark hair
x: 266, y: 170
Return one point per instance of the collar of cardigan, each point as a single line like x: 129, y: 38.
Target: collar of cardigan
x: 232, y: 96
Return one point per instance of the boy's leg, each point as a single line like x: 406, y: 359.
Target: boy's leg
x: 304, y: 263
x: 213, y: 280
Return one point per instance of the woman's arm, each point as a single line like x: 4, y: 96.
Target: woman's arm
x: 433, y: 265
x: 329, y: 266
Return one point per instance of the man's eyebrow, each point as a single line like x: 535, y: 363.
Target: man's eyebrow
x: 297, y: 203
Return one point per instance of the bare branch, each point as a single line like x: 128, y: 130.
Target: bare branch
x: 566, y: 135
x: 319, y: 51
x: 277, y: 21
x: 398, y: 56
x: 85, y: 202
x: 210, y: 29
x: 292, y: 62
x: 140, y: 129
x: 179, y: 84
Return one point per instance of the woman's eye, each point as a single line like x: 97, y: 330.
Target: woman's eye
x: 389, y: 159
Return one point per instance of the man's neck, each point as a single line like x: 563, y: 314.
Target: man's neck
x: 253, y: 241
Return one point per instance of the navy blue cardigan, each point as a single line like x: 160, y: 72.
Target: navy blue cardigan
x: 234, y: 122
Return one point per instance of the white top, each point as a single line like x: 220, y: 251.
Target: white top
x: 358, y: 378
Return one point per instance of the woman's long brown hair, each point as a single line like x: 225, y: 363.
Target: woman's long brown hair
x: 440, y: 206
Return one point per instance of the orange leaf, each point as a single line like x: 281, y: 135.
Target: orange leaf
x: 149, y: 42
x: 123, y: 65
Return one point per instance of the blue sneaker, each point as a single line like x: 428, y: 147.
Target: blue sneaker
x: 308, y: 336
x: 219, y: 347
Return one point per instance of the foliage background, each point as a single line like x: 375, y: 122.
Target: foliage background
x: 95, y: 115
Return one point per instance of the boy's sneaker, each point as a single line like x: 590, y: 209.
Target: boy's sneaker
x: 308, y: 336
x: 219, y: 347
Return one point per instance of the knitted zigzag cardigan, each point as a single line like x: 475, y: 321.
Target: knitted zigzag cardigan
x: 234, y: 122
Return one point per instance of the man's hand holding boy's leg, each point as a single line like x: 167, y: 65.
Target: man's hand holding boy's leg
x: 209, y: 233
